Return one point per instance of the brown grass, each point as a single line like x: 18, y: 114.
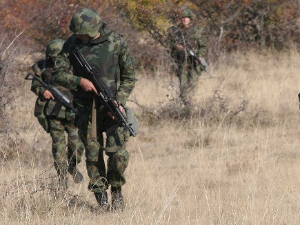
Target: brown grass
x: 235, y: 160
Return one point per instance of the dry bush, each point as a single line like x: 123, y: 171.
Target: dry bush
x: 16, y: 102
x: 240, y: 93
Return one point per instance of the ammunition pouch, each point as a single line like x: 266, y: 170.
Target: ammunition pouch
x: 132, y: 119
x: 39, y: 113
x: 58, y: 111
x: 44, y: 110
x: 55, y: 109
x: 120, y: 136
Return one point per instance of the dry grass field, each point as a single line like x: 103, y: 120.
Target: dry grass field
x: 234, y: 160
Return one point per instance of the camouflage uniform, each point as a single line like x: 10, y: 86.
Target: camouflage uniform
x: 187, y: 69
x: 60, y: 120
x: 110, y: 54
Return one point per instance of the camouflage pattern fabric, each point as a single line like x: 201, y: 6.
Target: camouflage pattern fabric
x: 116, y: 136
x: 86, y: 21
x: 187, y: 69
x: 117, y: 162
x: 54, y: 47
x: 187, y: 13
x: 63, y: 159
x: 111, y: 56
x: 115, y: 63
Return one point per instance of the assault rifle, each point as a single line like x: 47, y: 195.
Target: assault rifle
x: 59, y: 97
x: 188, y: 47
x: 202, y: 63
x: 105, y: 93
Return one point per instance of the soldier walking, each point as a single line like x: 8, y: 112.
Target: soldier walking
x: 57, y: 119
x: 182, y: 38
x: 109, y: 54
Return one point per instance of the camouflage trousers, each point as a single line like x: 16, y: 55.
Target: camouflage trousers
x: 116, y: 138
x: 188, y: 75
x: 65, y: 159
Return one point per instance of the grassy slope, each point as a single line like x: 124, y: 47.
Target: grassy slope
x: 234, y: 161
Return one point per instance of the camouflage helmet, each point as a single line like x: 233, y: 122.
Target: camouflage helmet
x: 86, y: 21
x: 188, y: 13
x: 54, y: 47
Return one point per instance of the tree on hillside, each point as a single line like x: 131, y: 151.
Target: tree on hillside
x: 230, y: 24
x: 251, y: 23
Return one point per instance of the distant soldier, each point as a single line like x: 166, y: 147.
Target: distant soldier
x: 56, y: 119
x: 109, y: 54
x: 182, y: 38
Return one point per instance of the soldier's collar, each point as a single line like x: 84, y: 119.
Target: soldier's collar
x: 181, y: 26
x: 103, y: 37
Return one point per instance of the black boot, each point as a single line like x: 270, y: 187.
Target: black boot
x: 102, y: 199
x: 77, y: 176
x: 117, y: 199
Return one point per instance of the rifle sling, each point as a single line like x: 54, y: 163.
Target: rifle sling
x: 112, y: 128
x: 94, y: 120
x: 111, y: 149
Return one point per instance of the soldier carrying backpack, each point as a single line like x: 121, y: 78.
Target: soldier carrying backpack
x: 57, y: 119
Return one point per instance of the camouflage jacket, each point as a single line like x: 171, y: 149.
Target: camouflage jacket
x: 109, y: 54
x: 191, y: 37
x: 44, y: 69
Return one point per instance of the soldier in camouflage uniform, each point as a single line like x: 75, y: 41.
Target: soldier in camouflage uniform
x: 109, y: 53
x: 57, y: 120
x: 180, y: 38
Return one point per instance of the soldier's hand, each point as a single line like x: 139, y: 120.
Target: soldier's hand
x: 201, y: 59
x: 179, y: 47
x: 48, y: 95
x: 121, y: 109
x: 87, y: 85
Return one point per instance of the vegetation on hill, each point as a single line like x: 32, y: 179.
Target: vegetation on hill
x: 230, y: 25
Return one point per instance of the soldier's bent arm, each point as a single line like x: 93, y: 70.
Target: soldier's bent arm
x: 127, y: 74
x: 62, y: 76
x: 201, y: 50
x: 171, y: 42
x: 37, y: 87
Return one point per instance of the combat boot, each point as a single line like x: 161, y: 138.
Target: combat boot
x: 77, y: 176
x: 102, y: 199
x: 117, y: 199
